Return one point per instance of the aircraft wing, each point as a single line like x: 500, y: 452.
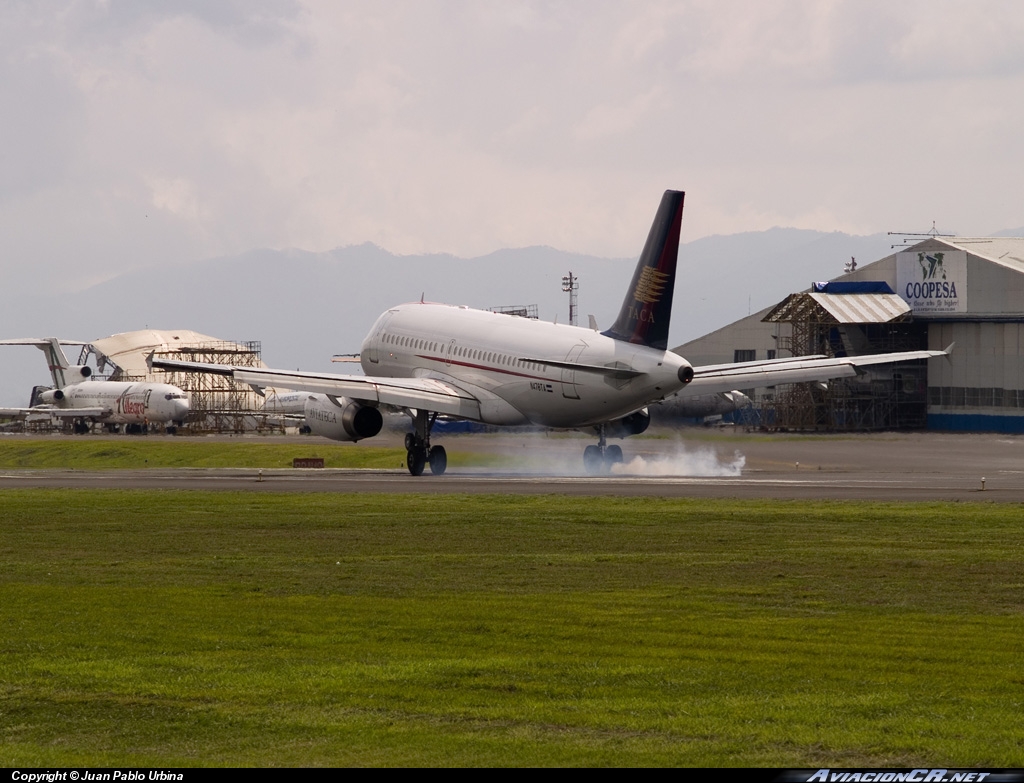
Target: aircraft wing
x: 799, y: 369
x: 16, y: 413
x: 60, y: 413
x: 419, y: 393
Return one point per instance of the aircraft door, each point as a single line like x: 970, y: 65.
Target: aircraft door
x: 373, y: 344
x: 569, y: 375
x: 448, y: 354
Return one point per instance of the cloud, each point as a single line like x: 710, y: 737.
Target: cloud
x: 142, y: 133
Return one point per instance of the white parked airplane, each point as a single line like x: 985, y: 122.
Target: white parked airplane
x: 113, y: 403
x: 683, y: 406
x: 433, y: 359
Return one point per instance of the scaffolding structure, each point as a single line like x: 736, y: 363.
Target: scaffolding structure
x: 891, y: 396
x: 523, y: 311
x: 218, y: 404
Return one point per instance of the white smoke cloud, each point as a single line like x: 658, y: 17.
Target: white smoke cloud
x: 541, y: 454
x: 684, y: 463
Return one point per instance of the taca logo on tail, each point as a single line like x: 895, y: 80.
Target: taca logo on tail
x: 646, y: 310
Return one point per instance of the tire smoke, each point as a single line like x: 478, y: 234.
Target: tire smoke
x: 684, y: 463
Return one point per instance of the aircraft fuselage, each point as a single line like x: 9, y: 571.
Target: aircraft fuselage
x: 501, y: 358
x: 127, y: 403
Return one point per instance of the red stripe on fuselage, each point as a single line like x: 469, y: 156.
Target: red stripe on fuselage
x: 482, y: 367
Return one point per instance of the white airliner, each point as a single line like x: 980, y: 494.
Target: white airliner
x: 683, y: 406
x: 113, y: 403
x: 434, y: 359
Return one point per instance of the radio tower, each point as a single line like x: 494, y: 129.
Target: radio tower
x: 571, y: 284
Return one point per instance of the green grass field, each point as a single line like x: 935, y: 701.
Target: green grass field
x: 134, y: 453
x: 191, y: 628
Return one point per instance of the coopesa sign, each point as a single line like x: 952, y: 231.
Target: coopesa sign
x: 933, y: 281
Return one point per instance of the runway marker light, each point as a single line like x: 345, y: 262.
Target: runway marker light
x: 982, y: 483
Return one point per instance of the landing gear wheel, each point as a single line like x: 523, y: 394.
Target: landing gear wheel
x: 171, y: 430
x: 613, y: 454
x: 593, y: 460
x: 417, y: 446
x: 438, y: 460
x: 416, y: 459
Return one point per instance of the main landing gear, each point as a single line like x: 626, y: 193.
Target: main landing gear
x: 419, y: 452
x: 600, y: 458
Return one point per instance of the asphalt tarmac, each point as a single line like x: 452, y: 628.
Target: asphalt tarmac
x: 698, y: 464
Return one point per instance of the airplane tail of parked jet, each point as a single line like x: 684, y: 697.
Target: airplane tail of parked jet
x: 60, y: 367
x: 647, y: 309
x: 61, y: 370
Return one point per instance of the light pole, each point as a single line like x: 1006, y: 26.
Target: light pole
x: 571, y: 284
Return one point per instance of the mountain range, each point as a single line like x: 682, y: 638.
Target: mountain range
x: 304, y: 307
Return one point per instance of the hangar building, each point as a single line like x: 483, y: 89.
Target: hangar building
x: 967, y: 291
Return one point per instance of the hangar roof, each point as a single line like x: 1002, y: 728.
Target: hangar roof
x: 1008, y: 251
x: 129, y: 350
x: 840, y: 308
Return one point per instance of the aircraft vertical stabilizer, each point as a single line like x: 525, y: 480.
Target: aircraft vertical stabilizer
x: 57, y: 361
x: 647, y: 308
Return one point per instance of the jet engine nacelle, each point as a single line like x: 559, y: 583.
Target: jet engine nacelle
x: 633, y: 424
x: 341, y: 419
x: 77, y: 373
x: 50, y: 396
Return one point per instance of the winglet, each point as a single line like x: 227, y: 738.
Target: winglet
x: 949, y: 349
x: 647, y: 308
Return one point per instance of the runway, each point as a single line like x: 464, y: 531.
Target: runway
x: 883, y: 467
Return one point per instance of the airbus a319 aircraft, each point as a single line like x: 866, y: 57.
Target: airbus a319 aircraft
x: 434, y: 359
x: 112, y: 403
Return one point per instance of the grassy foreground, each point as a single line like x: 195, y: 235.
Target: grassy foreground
x: 182, y: 452
x: 180, y: 628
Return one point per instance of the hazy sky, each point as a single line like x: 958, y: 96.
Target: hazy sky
x: 149, y: 133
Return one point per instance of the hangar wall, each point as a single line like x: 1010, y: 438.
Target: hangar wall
x: 747, y: 334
